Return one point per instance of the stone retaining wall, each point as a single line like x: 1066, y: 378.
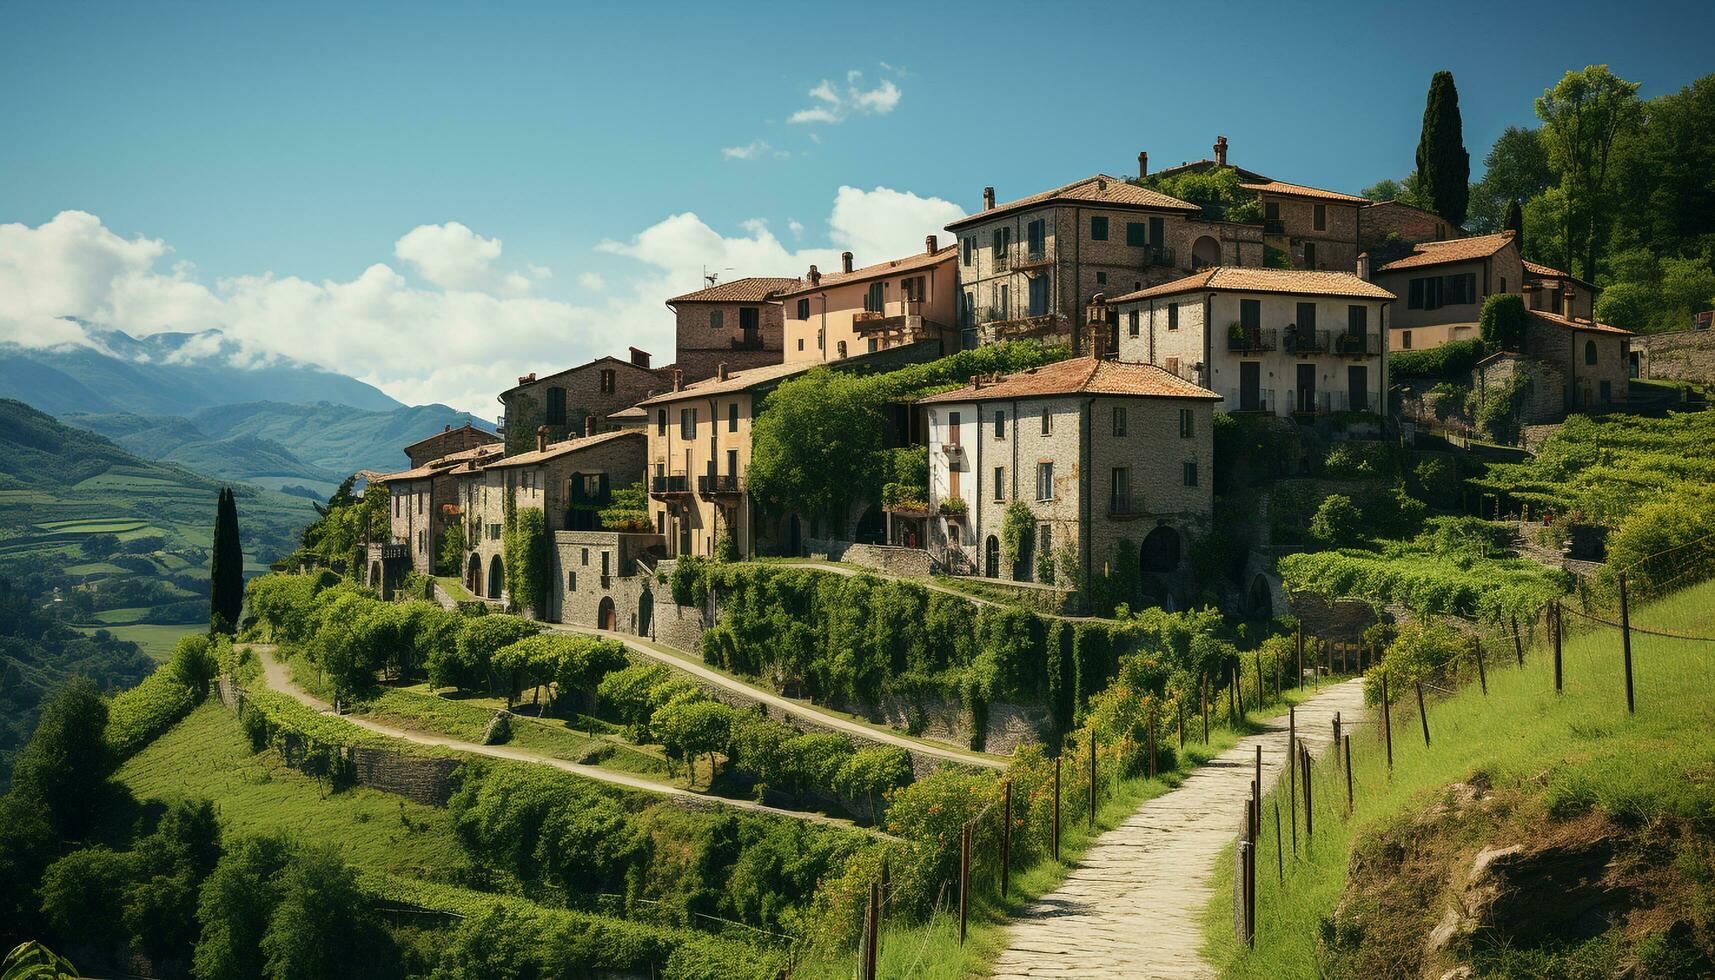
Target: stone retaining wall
x: 889, y: 559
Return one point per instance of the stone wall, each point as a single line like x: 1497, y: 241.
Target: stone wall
x: 888, y: 559
x: 1545, y: 399
x: 1687, y: 355
x: 1377, y: 221
x: 1343, y: 620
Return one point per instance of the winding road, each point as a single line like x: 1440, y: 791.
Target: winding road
x: 1134, y: 905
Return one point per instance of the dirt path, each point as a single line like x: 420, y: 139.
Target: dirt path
x: 1134, y: 906
x: 787, y: 706
x: 280, y: 679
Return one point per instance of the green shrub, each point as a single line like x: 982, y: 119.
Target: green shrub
x: 1451, y: 361
x: 466, y: 663
x: 528, y: 564
x: 1017, y: 527
x: 1669, y: 543
x: 138, y: 715
x: 1503, y: 322
x: 1422, y: 651
x: 1336, y: 521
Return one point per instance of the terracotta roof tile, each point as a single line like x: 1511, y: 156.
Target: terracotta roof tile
x: 1083, y: 375
x: 921, y: 260
x: 1590, y: 325
x: 1302, y: 282
x: 447, y: 432
x: 564, y: 448
x: 1100, y: 189
x: 736, y: 381
x: 751, y: 289
x: 1539, y: 271
x: 1454, y: 250
x: 1300, y: 190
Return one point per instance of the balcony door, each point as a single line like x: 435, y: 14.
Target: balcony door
x: 1250, y: 386
x: 1307, y: 387
x: 1357, y: 387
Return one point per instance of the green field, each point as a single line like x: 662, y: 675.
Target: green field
x: 93, y: 525
x: 1551, y: 759
x: 156, y: 639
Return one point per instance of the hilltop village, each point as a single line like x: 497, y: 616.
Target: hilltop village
x: 1290, y: 304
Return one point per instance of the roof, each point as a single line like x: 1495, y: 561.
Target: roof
x: 1301, y: 282
x: 1100, y: 189
x: 1453, y: 250
x: 1206, y: 164
x: 634, y: 412
x: 1555, y: 319
x: 911, y: 263
x: 750, y: 289
x: 1540, y: 271
x: 736, y: 381
x: 491, y: 437
x: 1300, y: 190
x: 1083, y: 375
x: 442, y: 464
x: 658, y: 372
x: 565, y: 448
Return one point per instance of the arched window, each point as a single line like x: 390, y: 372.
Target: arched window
x: 991, y: 557
x: 1589, y: 352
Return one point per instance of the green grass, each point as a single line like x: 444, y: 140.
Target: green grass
x: 94, y: 568
x: 1570, y: 753
x: 206, y: 756
x: 454, y: 587
x: 93, y: 525
x: 156, y: 639
x: 122, y: 617
x: 931, y: 950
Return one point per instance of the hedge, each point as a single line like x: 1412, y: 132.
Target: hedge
x: 1451, y: 361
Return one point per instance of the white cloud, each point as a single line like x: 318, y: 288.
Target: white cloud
x: 796, y: 227
x: 838, y: 104
x: 443, y: 342
x: 752, y: 150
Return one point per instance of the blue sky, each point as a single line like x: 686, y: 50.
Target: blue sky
x: 305, y: 140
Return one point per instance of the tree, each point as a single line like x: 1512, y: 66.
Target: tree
x: 1503, y: 321
x: 1515, y: 169
x: 1582, y: 116
x: 869, y: 775
x: 233, y: 908
x: 323, y: 926
x: 1016, y: 526
x: 226, y: 568
x: 1336, y: 521
x: 1515, y: 223
x: 99, y: 545
x: 693, y: 726
x: 1442, y: 163
x: 63, y: 769
x: 527, y: 559
x: 83, y: 895
x: 450, y: 559
x: 1386, y: 189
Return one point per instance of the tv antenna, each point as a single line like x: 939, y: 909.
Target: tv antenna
x: 712, y: 277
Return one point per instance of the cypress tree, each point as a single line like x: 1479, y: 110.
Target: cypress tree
x: 226, y: 569
x: 1515, y: 223
x: 1443, y: 166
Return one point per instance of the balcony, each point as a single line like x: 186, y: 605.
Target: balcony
x: 1249, y: 339
x: 1358, y: 344
x: 1128, y: 503
x: 1158, y: 255
x: 1260, y: 400
x: 1312, y: 402
x: 1002, y: 260
x: 713, y: 484
x: 392, y: 551
x: 669, y: 485
x: 1303, y: 341
x: 1273, y: 226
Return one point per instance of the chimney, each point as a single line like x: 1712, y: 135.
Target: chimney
x: 720, y: 371
x: 678, y: 380
x: 640, y: 357
x: 988, y: 199
x: 815, y: 277
x: 1142, y: 165
x: 525, y: 379
x: 1220, y: 151
x: 845, y: 261
x: 1567, y: 296
x: 1364, y: 267
x: 930, y: 244
x: 541, y: 438
x: 447, y: 428
x: 589, y: 426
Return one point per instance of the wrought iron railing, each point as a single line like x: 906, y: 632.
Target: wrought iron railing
x: 715, y: 483
x: 1261, y: 400
x: 1250, y: 339
x: 671, y: 483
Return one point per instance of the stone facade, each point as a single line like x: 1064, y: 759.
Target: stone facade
x: 603, y: 579
x: 1317, y: 233
x: 564, y: 401
x: 1594, y: 361
x: 887, y: 559
x: 448, y: 441
x: 738, y: 323
x: 1686, y: 355
x: 1386, y: 222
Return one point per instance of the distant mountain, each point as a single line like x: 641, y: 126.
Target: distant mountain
x: 166, y: 374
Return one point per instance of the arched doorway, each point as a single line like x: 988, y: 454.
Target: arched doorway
x: 496, y: 578
x: 991, y: 557
x: 1026, y: 560
x: 604, y: 613
x: 1205, y: 252
x: 1160, y: 551
x: 375, y: 575
x: 473, y: 575
x: 645, y: 612
x: 871, y: 527
x: 1260, y: 600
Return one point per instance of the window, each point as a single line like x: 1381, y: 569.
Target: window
x: 571, y: 581
x: 1187, y: 423
x: 661, y: 422
x: 874, y: 300
x: 1045, y: 539
x: 999, y: 423
x: 1044, y: 481
x: 999, y: 484
x: 803, y: 309
x: 1309, y: 255
x: 1132, y: 322
x: 871, y: 348
x: 1036, y: 237
x: 1039, y: 296
x: 1271, y: 210
x: 420, y: 496
x: 1357, y: 319
x: 1589, y: 352
x: 1098, y: 228
x: 953, y: 534
x: 1101, y: 279
x: 800, y: 343
x: 1173, y: 316
x: 968, y: 250
x: 1405, y: 340
x: 1190, y: 473
x: 687, y: 423
x: 1119, y: 420
x: 1134, y: 233
x: 591, y: 485
x: 586, y: 557
x: 749, y: 318
x: 1121, y: 503
x: 912, y: 289
x: 1003, y: 302
x: 1001, y: 239
x: 1250, y: 314
x: 717, y: 319
x: 732, y: 463
x: 1306, y: 316
x: 1321, y: 217
x: 1503, y: 284
x: 967, y: 308
x: 954, y: 427
x: 396, y: 500
x: 556, y: 406
x: 1045, y: 421
x: 607, y: 385
x: 840, y: 349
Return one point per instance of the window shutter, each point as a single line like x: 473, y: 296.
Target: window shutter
x: 602, y: 490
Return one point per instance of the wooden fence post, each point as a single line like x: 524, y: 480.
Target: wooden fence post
x: 869, y: 940
x: 964, y: 877
x: 1422, y: 714
x: 1253, y: 821
x: 1292, y: 770
x: 1518, y: 641
x: 1056, y: 833
x: 1626, y: 641
x: 1482, y: 676
x: 1279, y: 851
x: 1557, y: 673
x: 1006, y: 839
x: 1387, y: 723
x: 1298, y: 641
x: 1233, y: 696
x: 1276, y: 660
x: 1092, y: 778
x: 1336, y: 737
x: 1309, y: 816
x: 884, y: 884
x: 1348, y: 744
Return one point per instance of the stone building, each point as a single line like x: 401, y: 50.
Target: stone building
x: 1386, y: 224
x: 1573, y: 365
x: 569, y: 481
x: 448, y: 441
x: 858, y: 311
x: 605, y: 579
x: 736, y: 323
x: 1550, y: 290
x: 1314, y: 228
x: 424, y: 502
x: 1031, y: 267
x: 1441, y: 287
x: 1683, y: 355
x: 1286, y: 341
x: 563, y: 400
x: 1106, y: 455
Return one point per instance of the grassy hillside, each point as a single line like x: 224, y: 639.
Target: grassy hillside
x: 332, y: 437
x: 1612, y: 813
